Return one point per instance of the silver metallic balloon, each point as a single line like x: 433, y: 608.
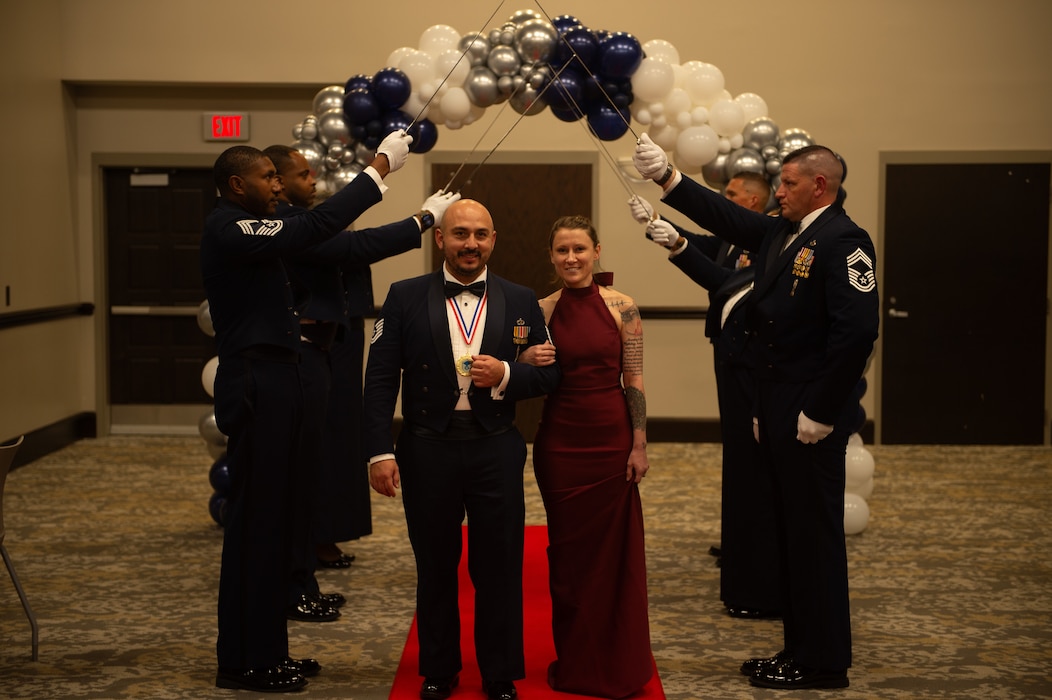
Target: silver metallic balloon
x: 793, y: 139
x: 535, y: 40
x: 714, y: 172
x: 760, y: 133
x: 204, y: 319
x: 216, y: 451
x: 494, y: 37
x: 363, y: 154
x: 209, y: 430
x: 481, y: 86
x: 769, y: 152
x: 330, y: 97
x: 774, y: 166
x: 332, y: 128
x: 503, y: 60
x: 297, y: 131
x: 523, y: 16
x: 313, y: 152
x: 475, y: 48
x: 539, y: 77
x: 744, y: 160
x: 527, y: 100
x: 344, y: 174
x: 310, y: 128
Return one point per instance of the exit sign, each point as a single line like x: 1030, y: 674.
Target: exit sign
x: 219, y: 126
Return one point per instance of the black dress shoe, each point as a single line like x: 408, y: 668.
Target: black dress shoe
x: 332, y: 600
x: 438, y: 688
x: 341, y: 562
x: 754, y: 666
x: 307, y: 609
x: 307, y: 668
x: 715, y: 551
x: 752, y: 613
x: 499, y: 690
x: 789, y: 676
x: 270, y: 680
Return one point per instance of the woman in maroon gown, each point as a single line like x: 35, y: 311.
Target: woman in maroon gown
x: 589, y: 456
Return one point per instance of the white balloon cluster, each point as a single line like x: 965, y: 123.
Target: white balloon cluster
x: 858, y: 472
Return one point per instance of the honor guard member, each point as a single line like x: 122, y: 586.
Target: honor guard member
x: 258, y: 398
x: 814, y: 315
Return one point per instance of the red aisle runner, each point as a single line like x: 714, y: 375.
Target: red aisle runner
x: 537, y: 630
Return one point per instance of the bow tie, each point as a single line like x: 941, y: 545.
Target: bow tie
x: 454, y: 288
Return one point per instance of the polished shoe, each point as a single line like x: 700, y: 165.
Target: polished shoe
x: 715, y: 551
x: 332, y: 600
x: 341, y: 562
x: 754, y: 666
x: 306, y: 609
x: 438, y: 688
x: 270, y: 680
x: 753, y: 613
x: 307, y: 668
x: 499, y: 690
x: 789, y: 676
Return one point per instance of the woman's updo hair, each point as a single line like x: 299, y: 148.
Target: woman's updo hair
x: 575, y: 222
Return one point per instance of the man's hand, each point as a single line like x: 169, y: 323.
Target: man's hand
x: 486, y: 370
x: 642, y: 212
x: 438, y: 203
x: 649, y: 158
x: 396, y: 147
x: 538, y: 355
x: 663, y: 233
x: 383, y: 476
x: 810, y: 432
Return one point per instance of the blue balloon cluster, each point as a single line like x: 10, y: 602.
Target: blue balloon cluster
x: 219, y: 478
x: 371, y: 106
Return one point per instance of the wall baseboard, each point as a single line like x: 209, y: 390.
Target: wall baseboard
x: 51, y: 438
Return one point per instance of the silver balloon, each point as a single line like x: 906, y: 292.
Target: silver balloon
x: 714, y: 172
x: 507, y: 35
x: 773, y: 165
x: 332, y: 128
x: 344, y: 174
x: 310, y: 128
x: 297, y: 131
x: 744, y: 160
x: 535, y: 40
x: 313, y: 152
x: 794, y: 139
x: 481, y: 86
x: 505, y: 86
x: 503, y: 60
x: 527, y: 100
x: 204, y: 319
x: 330, y: 97
x: 760, y: 133
x: 336, y: 151
x: 539, y: 77
x: 769, y: 152
x: 523, y: 16
x: 363, y: 154
x: 494, y: 37
x: 475, y: 48
x: 209, y: 430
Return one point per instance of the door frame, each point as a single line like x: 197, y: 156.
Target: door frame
x: 948, y: 158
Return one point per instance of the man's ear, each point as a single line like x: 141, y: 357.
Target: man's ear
x: 237, y: 184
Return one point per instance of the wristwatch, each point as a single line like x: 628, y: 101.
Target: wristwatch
x: 427, y: 219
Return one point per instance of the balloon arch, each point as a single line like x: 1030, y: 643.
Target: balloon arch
x: 536, y: 65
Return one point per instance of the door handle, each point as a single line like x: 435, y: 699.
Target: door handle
x: 895, y: 313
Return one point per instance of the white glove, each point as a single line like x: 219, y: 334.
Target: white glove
x: 438, y: 203
x: 396, y: 147
x: 649, y: 158
x: 642, y: 212
x: 809, y: 432
x: 663, y: 233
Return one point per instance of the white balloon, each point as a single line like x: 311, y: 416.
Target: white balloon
x: 856, y: 514
x: 208, y: 376
x: 752, y: 104
x: 696, y: 146
x: 661, y: 50
x: 664, y: 136
x: 865, y: 490
x: 449, y: 63
x: 703, y: 82
x: 419, y: 67
x: 456, y: 105
x: 652, y: 80
x: 396, y: 56
x: 438, y: 38
x: 858, y: 466
x: 726, y: 117
x: 855, y: 440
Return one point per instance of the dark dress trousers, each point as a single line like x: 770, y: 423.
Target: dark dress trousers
x: 813, y: 315
x: 452, y: 464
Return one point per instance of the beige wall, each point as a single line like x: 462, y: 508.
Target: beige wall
x: 95, y: 82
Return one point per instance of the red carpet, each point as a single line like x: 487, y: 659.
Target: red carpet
x: 540, y: 650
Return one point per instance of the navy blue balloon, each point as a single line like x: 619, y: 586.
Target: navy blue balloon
x: 860, y: 420
x: 358, y: 81
x: 608, y: 123
x: 391, y: 88
x: 217, y: 508
x: 360, y: 106
x: 565, y: 114
x: 566, y: 90
x: 219, y: 475
x: 425, y: 136
x: 620, y: 54
x: 566, y: 22
x: 583, y: 43
x: 393, y: 121
x: 358, y: 132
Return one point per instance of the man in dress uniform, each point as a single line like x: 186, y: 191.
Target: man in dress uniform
x: 450, y: 339
x: 258, y: 398
x: 814, y: 314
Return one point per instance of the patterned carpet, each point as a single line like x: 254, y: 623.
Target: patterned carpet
x: 950, y: 582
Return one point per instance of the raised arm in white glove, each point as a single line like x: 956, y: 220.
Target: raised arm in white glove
x: 649, y: 158
x: 396, y: 147
x: 642, y: 212
x: 438, y: 203
x: 663, y: 233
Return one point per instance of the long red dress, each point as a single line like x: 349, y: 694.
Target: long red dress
x: 595, y: 520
